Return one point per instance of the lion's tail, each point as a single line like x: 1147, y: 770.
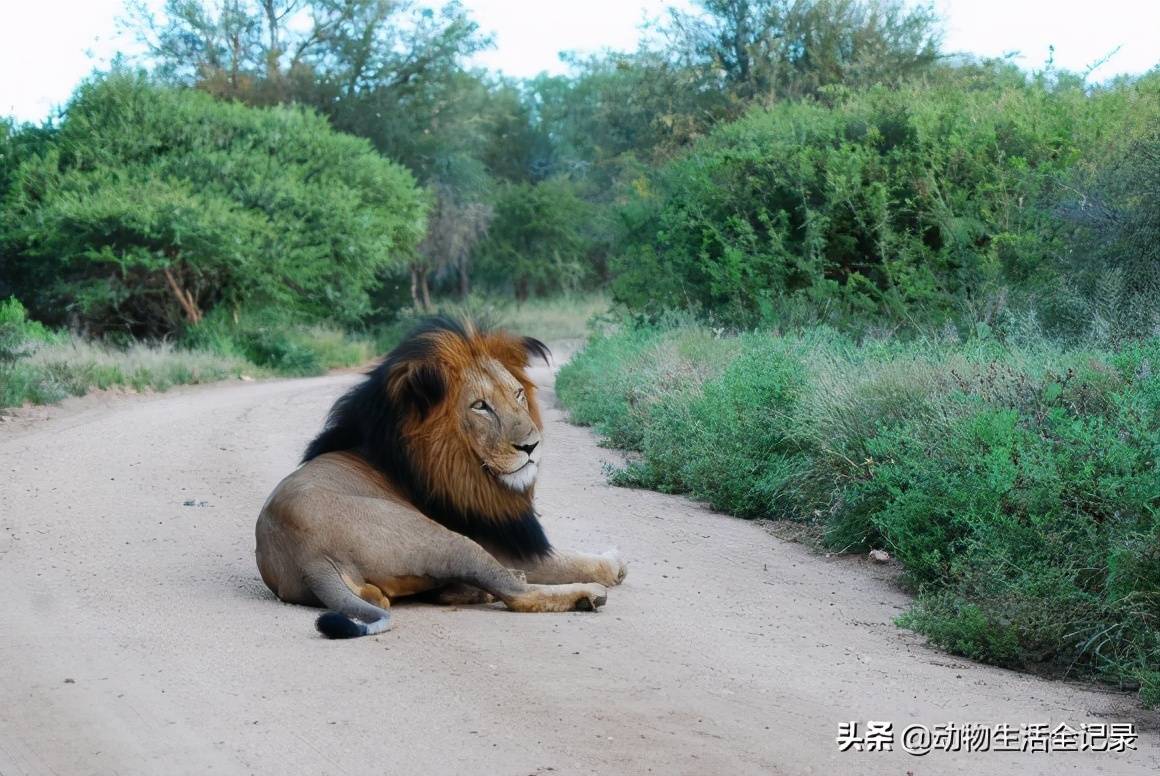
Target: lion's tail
x: 350, y: 615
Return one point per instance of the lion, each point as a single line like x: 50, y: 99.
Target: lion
x: 422, y: 482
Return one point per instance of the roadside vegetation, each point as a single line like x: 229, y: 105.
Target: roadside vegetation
x: 1015, y: 480
x: 920, y: 318
x: 39, y: 365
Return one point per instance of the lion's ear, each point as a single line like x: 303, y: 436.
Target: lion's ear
x: 418, y: 385
x: 514, y: 352
x: 537, y: 349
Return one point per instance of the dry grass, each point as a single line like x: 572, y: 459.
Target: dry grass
x: 72, y: 366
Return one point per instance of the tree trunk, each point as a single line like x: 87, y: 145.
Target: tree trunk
x: 184, y: 298
x: 464, y: 280
x: 420, y: 293
x: 415, y: 287
x: 426, y: 290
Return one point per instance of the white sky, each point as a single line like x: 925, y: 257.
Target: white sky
x: 47, y: 46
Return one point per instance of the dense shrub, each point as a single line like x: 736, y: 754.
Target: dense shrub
x: 272, y: 340
x: 18, y: 335
x: 538, y: 241
x: 153, y: 206
x: 1016, y: 483
x: 41, y: 366
x: 1116, y: 257
x: 898, y: 204
x: 748, y: 464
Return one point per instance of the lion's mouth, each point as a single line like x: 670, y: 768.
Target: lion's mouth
x: 497, y: 473
x: 527, y: 463
x: 519, y: 479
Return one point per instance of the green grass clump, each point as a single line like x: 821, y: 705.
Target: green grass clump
x: 73, y: 366
x: 40, y: 366
x: 552, y: 319
x: 1015, y: 482
x: 748, y: 461
x: 272, y: 341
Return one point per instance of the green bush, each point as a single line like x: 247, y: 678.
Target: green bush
x: 19, y: 339
x: 152, y: 207
x: 748, y: 463
x: 1117, y: 253
x: 18, y: 335
x: 1016, y: 483
x: 619, y: 378
x: 537, y: 243
x: 272, y: 340
x: 904, y: 205
x: 1031, y: 530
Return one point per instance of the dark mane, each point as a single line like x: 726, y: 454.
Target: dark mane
x: 367, y: 422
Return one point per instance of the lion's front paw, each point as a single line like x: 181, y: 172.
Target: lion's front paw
x: 614, y: 568
x: 591, y: 597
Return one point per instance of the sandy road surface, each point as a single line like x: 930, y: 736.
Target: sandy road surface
x: 136, y: 637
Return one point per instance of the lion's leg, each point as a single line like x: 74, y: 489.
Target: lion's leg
x: 444, y: 555
x: 459, y: 594
x: 485, y: 572
x: 565, y: 566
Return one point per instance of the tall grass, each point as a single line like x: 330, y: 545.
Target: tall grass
x: 40, y: 366
x: 552, y: 319
x: 1015, y: 481
x: 71, y: 366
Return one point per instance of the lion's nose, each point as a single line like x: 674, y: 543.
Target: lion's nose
x: 527, y: 448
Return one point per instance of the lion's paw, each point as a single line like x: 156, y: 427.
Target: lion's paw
x: 616, y: 568
x: 591, y: 598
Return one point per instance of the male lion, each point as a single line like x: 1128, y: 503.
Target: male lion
x: 422, y: 481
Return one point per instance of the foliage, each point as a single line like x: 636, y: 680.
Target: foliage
x: 1016, y: 482
x: 153, y: 206
x: 764, y: 50
x: 390, y: 72
x: 276, y: 51
x: 40, y: 366
x: 902, y: 205
x: 18, y: 335
x: 1116, y: 260
x: 272, y: 340
x: 615, y: 109
x: 537, y: 243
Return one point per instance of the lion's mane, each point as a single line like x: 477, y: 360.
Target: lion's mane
x: 397, y: 420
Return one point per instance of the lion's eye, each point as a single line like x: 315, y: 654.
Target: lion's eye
x: 521, y: 396
x: 481, y: 406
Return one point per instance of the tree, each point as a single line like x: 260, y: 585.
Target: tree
x: 317, y: 52
x: 155, y: 205
x: 455, y: 227
x: 391, y: 72
x: 763, y: 50
x: 537, y: 243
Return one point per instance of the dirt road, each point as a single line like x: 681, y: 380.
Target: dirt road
x: 137, y: 638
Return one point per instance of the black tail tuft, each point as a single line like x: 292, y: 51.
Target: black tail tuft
x: 333, y: 625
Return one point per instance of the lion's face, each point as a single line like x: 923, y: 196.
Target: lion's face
x: 498, y: 424
x: 467, y: 425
